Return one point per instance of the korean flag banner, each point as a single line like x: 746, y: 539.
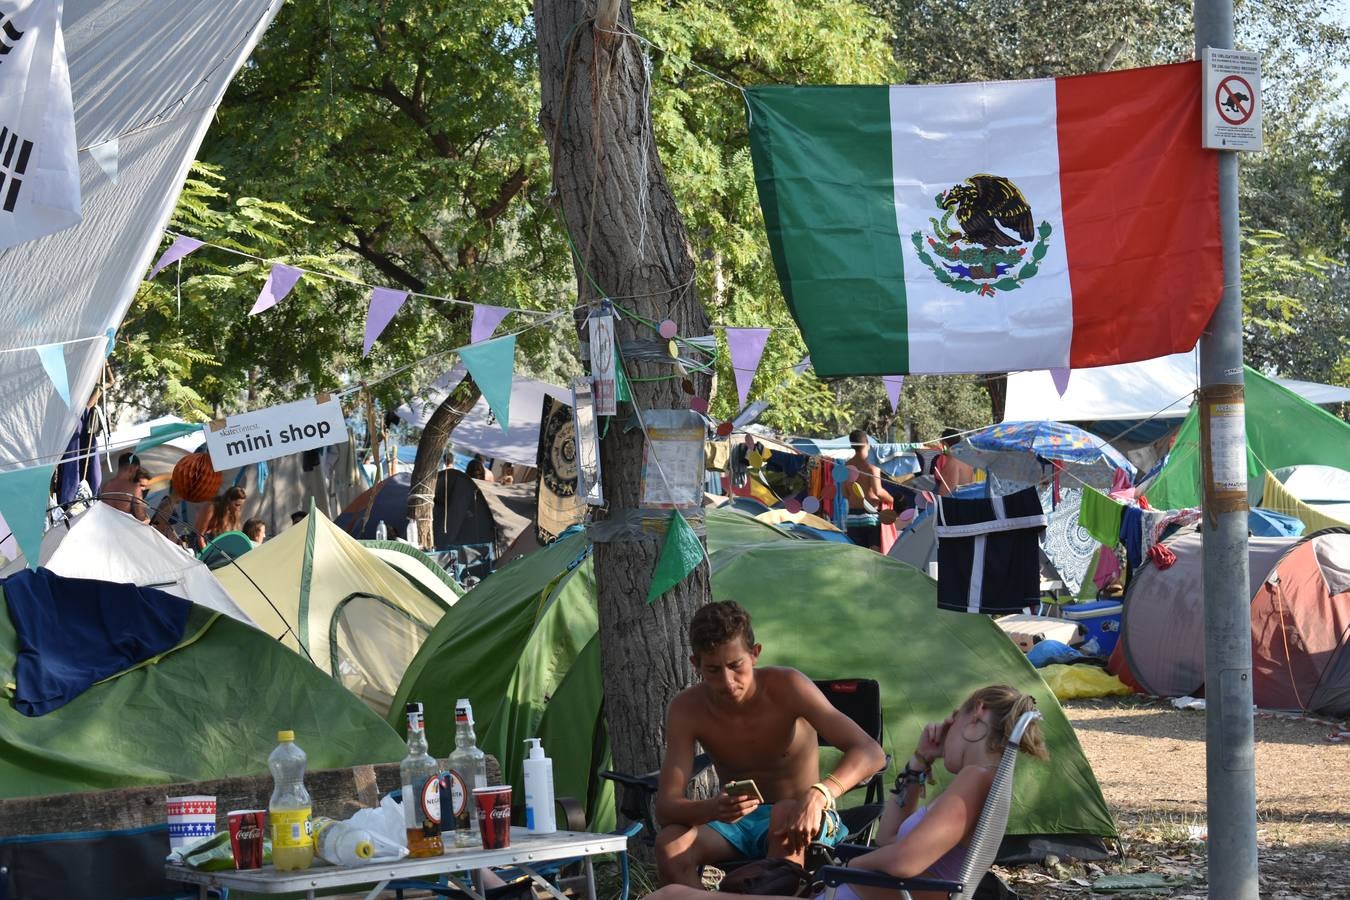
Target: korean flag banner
x: 39, y: 173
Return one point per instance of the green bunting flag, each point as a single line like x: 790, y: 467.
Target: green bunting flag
x: 680, y: 555
x: 23, y: 503
x: 492, y: 364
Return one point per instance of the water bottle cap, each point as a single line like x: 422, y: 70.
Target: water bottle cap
x: 364, y: 849
x: 285, y: 735
x: 464, y: 708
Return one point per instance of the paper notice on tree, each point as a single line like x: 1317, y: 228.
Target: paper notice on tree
x: 1228, y: 446
x: 672, y: 459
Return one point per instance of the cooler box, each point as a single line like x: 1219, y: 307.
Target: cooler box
x: 1101, y: 620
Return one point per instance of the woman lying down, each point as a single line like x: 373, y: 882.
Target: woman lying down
x: 930, y: 841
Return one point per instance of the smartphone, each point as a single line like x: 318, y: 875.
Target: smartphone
x: 746, y: 788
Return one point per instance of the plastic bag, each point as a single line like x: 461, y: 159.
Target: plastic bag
x: 387, y: 831
x: 1076, y: 682
x: 213, y: 854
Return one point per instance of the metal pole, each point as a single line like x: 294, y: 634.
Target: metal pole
x: 1229, y: 752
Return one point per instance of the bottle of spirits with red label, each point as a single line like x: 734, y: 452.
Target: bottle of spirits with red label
x: 421, y: 778
x: 467, y: 770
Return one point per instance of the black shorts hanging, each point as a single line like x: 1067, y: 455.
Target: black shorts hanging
x: 989, y: 552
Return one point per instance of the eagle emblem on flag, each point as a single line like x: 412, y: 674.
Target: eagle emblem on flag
x: 986, y: 252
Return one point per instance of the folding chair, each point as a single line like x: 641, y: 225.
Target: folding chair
x: 857, y: 698
x: 983, y: 847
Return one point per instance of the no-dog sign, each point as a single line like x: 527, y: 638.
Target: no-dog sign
x: 275, y: 431
x: 1232, y: 100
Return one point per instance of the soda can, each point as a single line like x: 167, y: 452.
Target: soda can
x: 247, y: 827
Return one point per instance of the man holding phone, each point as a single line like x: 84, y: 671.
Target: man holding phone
x: 760, y: 727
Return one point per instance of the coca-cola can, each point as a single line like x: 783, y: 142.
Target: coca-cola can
x: 247, y: 827
x: 493, y: 807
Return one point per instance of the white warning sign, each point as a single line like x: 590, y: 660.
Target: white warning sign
x: 1231, y: 99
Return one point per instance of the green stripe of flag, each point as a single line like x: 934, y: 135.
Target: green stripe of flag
x: 822, y: 160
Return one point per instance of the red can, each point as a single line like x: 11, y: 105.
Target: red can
x: 247, y: 827
x: 493, y: 805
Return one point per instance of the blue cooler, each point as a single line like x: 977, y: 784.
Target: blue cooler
x: 1101, y: 622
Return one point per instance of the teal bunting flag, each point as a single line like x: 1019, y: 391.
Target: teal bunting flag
x: 680, y: 555
x: 23, y: 502
x: 492, y: 365
x: 53, y: 358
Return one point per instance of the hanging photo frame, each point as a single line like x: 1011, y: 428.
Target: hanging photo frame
x: 587, y: 443
x: 604, y: 380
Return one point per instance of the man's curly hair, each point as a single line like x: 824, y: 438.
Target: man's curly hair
x: 716, y: 623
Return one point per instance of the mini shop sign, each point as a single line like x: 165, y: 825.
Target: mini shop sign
x: 275, y: 431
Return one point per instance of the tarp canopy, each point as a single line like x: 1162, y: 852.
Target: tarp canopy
x: 106, y: 544
x: 480, y: 432
x: 1283, y: 429
x: 1155, y: 388
x: 150, y: 80
x: 319, y: 592
x: 210, y: 709
x: 523, y: 647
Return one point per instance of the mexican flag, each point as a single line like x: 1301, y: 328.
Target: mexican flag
x: 1069, y: 222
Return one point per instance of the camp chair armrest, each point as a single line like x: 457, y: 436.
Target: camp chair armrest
x: 833, y: 876
x: 845, y: 852
x: 648, y: 782
x: 572, y: 813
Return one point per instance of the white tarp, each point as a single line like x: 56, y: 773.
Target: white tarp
x: 109, y: 545
x: 39, y: 176
x: 480, y: 432
x: 149, y: 74
x: 1157, y: 388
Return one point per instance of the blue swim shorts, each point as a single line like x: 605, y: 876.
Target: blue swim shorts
x: 750, y: 835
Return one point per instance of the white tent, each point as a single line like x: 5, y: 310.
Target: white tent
x: 109, y: 545
x: 479, y: 431
x: 148, y: 75
x: 1156, y: 388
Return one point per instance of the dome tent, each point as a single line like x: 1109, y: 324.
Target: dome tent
x: 523, y: 647
x: 319, y: 592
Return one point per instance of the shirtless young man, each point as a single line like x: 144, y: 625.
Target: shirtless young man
x: 125, y: 491
x: 869, y: 477
x: 758, y: 724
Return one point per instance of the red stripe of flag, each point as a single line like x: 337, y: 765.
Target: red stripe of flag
x: 1141, y: 213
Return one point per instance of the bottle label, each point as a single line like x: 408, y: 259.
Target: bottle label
x: 422, y: 805
x: 459, y: 799
x: 291, y: 828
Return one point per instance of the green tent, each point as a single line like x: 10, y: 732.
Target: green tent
x: 521, y: 645
x: 1283, y: 429
x: 208, y: 709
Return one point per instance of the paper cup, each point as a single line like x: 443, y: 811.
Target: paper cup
x: 247, y: 828
x: 190, y: 819
x: 493, y: 808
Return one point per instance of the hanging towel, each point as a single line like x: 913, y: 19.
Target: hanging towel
x: 1132, y: 536
x: 73, y: 632
x: 989, y: 557
x: 1100, y: 516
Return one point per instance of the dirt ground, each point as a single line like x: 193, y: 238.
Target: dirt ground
x: 1150, y: 761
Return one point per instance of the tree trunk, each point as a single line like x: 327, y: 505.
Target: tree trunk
x: 430, y: 446
x: 631, y: 241
x: 998, y: 396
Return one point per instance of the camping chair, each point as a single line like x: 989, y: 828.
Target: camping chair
x: 224, y: 549
x: 857, y: 698
x: 983, y: 847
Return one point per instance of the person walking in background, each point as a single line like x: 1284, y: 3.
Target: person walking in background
x: 256, y: 531
x: 948, y: 471
x: 125, y: 491
x: 225, y: 513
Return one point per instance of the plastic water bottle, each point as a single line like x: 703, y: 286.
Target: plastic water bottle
x: 290, y: 809
x: 342, y: 843
x: 381, y: 532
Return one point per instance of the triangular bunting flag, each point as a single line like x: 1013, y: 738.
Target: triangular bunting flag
x: 747, y: 346
x: 801, y: 367
x: 384, y: 305
x: 279, y: 283
x: 893, y: 384
x: 53, y: 358
x: 1061, y: 379
x: 105, y: 154
x: 680, y: 555
x: 485, y: 321
x: 180, y: 248
x: 492, y: 364
x: 23, y: 502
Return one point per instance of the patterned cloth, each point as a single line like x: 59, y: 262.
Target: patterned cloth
x: 1066, y: 543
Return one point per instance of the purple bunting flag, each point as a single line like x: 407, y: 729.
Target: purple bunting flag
x: 485, y: 321
x: 747, y: 346
x: 1061, y: 378
x: 893, y: 385
x: 384, y: 305
x: 279, y: 283
x: 180, y: 248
